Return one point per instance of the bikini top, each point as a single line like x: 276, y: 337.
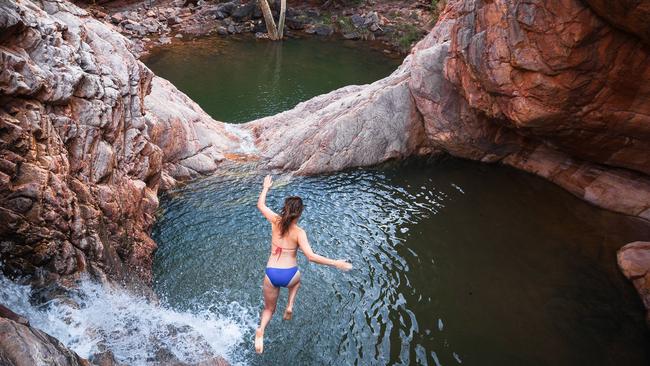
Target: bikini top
x: 278, y: 250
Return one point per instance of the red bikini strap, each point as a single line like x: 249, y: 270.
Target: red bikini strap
x: 278, y: 251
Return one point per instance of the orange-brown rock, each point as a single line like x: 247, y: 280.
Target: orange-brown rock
x: 557, y: 73
x: 87, y: 137
x: 634, y: 261
x: 22, y: 345
x: 632, y: 16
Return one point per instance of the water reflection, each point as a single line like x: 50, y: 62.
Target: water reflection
x: 240, y: 80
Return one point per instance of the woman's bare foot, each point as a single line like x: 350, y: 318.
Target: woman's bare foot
x: 288, y: 314
x: 259, y: 341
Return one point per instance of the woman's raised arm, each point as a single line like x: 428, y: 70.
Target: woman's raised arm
x: 261, y: 201
x: 316, y: 258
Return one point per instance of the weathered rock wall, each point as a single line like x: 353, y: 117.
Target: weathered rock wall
x: 23, y: 345
x: 634, y: 261
x: 82, y: 152
x: 79, y: 176
x: 546, y: 87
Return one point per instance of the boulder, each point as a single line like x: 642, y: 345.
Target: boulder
x: 634, y: 262
x: 296, y: 22
x: 243, y: 12
x: 21, y: 345
x: 357, y: 20
x: 117, y: 18
x: 323, y: 30
x: 173, y: 20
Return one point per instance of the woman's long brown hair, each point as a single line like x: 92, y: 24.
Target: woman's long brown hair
x: 290, y: 212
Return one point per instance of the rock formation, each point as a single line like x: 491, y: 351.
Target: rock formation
x: 22, y: 345
x: 81, y: 152
x: 634, y: 261
x: 351, y: 126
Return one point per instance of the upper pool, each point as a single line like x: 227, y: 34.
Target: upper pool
x: 238, y: 80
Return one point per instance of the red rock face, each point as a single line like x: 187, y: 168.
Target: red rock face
x: 87, y: 137
x: 547, y: 87
x: 634, y: 261
x: 632, y: 16
x: 78, y: 176
x: 556, y: 72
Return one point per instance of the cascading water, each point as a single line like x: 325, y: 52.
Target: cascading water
x: 96, y: 318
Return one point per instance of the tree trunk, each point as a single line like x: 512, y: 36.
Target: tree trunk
x: 283, y: 10
x: 268, y: 19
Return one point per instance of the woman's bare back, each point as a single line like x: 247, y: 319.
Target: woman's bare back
x: 289, y: 244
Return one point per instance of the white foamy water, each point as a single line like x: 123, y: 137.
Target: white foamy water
x: 133, y: 328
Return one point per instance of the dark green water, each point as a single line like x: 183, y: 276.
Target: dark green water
x: 241, y: 80
x: 455, y: 262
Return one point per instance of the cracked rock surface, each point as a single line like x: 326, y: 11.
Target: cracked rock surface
x: 82, y: 151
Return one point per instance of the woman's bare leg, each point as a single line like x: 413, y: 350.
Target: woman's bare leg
x: 270, y: 302
x: 293, y: 290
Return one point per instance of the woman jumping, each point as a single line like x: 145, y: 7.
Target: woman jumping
x: 282, y: 266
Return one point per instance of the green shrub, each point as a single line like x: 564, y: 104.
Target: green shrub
x: 406, y: 34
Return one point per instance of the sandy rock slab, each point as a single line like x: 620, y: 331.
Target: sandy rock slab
x: 634, y: 262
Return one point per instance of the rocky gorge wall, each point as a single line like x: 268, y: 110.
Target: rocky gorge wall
x: 82, y: 153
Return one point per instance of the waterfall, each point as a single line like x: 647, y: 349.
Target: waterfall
x: 97, y: 318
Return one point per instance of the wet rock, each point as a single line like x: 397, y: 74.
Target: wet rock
x: 6, y: 313
x: 634, y: 262
x: 105, y: 358
x: 352, y: 35
x: 22, y: 345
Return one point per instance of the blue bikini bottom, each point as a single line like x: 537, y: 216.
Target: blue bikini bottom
x: 281, y: 277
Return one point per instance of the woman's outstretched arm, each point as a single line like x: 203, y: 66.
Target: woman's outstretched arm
x: 316, y: 258
x: 261, y: 201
